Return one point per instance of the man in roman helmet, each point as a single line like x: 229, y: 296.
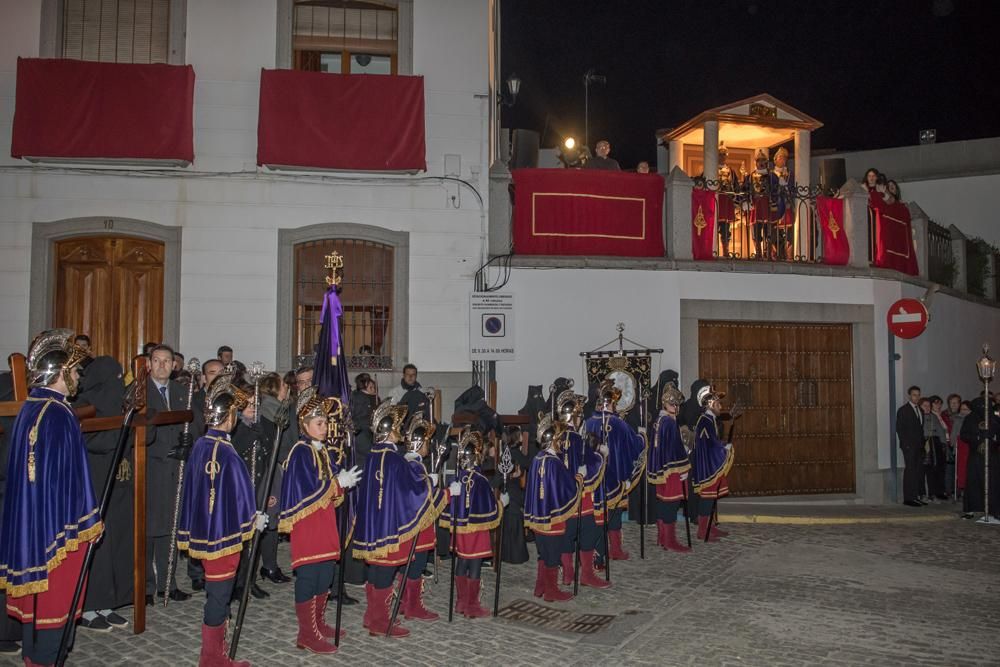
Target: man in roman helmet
x: 592, y: 455
x: 713, y: 459
x: 728, y: 186
x: 626, y: 461
x: 312, y: 487
x: 470, y: 516
x: 397, y: 503
x: 668, y: 469
x: 551, y: 501
x: 218, y: 514
x: 782, y: 204
x: 50, y: 511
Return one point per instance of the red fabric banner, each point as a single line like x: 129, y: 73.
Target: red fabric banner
x: 702, y: 223
x: 894, y: 247
x: 830, y: 215
x: 588, y: 212
x: 360, y: 122
x: 77, y: 109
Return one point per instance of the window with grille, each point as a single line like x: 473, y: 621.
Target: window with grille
x: 117, y: 31
x: 346, y: 36
x: 366, y: 297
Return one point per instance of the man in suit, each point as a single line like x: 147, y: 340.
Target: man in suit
x: 910, y: 431
x: 163, y: 394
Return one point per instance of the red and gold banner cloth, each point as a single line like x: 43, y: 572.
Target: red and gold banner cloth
x: 830, y: 217
x: 894, y: 247
x: 577, y: 212
x: 702, y: 224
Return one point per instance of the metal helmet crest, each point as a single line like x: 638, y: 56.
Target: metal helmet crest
x: 224, y: 400
x: 52, y: 352
x: 419, y: 432
x: 387, y: 421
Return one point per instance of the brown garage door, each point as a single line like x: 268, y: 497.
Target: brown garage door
x: 793, y: 382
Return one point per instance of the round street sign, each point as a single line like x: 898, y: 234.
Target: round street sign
x: 907, y: 318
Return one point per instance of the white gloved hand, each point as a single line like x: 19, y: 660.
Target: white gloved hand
x: 582, y: 471
x: 505, y: 499
x: 411, y: 456
x: 259, y: 521
x: 454, y: 488
x: 684, y: 476
x: 729, y: 445
x: 433, y: 477
x: 642, y: 430
x: 349, y: 478
x: 603, y: 449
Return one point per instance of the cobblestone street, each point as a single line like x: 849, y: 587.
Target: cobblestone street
x: 889, y: 594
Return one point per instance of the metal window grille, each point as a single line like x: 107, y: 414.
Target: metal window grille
x: 366, y: 297
x: 122, y: 31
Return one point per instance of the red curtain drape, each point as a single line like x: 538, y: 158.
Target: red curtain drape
x: 341, y: 121
x: 702, y: 223
x: 894, y: 247
x: 581, y: 212
x: 77, y: 109
x: 830, y: 212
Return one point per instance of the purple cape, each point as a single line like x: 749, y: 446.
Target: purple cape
x: 577, y: 453
x: 395, y: 503
x: 551, y: 495
x: 667, y: 456
x: 330, y: 366
x: 625, y: 447
x: 45, y: 518
x: 711, y: 458
x: 307, y: 485
x: 475, y: 508
x: 213, y: 525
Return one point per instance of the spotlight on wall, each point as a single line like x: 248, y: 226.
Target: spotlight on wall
x: 928, y: 136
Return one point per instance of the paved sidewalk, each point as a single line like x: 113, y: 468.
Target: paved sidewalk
x: 924, y: 593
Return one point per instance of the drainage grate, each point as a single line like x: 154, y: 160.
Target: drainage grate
x: 547, y: 618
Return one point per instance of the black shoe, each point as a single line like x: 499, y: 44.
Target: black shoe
x: 968, y: 515
x: 275, y: 576
x: 348, y: 600
x: 913, y: 503
x: 259, y: 592
x: 177, y: 595
x: 198, y: 584
x: 149, y: 599
x: 9, y: 648
x: 97, y: 624
x: 116, y: 620
x: 427, y: 574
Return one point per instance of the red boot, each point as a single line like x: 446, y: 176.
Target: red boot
x: 369, y: 605
x: 214, y: 652
x: 718, y: 532
x: 309, y: 637
x: 324, y: 629
x: 540, y: 579
x: 568, y: 567
x: 587, y: 575
x: 615, y: 539
x: 413, y: 602
x: 462, y: 585
x: 670, y: 539
x: 473, y: 607
x: 378, y: 617
x: 660, y: 540
x: 552, y: 590
x: 703, y: 529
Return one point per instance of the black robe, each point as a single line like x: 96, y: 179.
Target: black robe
x: 514, y: 548
x: 110, y: 584
x: 975, y: 479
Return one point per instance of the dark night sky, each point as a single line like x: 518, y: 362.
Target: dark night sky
x: 874, y: 72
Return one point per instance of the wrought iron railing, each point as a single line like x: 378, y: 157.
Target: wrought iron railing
x: 940, y: 258
x: 772, y: 225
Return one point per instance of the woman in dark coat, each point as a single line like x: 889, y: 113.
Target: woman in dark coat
x: 110, y: 584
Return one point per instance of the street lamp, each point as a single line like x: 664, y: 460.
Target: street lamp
x: 986, y: 367
x: 590, y: 77
x: 513, y: 88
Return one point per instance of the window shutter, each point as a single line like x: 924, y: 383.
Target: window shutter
x: 124, y: 31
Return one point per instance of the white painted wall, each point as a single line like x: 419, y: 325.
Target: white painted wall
x: 229, y: 238
x: 968, y: 202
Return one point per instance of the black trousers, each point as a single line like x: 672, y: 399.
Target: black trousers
x: 550, y: 548
x: 43, y: 649
x: 667, y: 511
x: 913, y: 470
x: 217, y: 597
x: 157, y: 551
x: 313, y: 579
x: 469, y: 567
x: 269, y: 549
x: 381, y: 576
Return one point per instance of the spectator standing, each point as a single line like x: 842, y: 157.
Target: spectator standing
x: 225, y: 355
x: 601, y: 159
x: 910, y: 433
x: 936, y: 431
x: 642, y: 168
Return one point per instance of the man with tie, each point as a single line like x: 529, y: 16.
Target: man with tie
x: 910, y: 431
x: 163, y: 394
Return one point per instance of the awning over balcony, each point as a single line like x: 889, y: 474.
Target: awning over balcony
x: 573, y: 212
x: 77, y: 110
x: 341, y: 121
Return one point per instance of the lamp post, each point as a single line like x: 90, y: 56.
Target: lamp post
x: 590, y: 77
x: 986, y: 367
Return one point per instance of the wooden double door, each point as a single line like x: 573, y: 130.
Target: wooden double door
x: 110, y: 288
x: 794, y: 384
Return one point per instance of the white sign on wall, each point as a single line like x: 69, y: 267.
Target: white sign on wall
x: 491, y: 326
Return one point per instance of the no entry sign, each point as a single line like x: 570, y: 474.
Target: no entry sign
x: 907, y: 318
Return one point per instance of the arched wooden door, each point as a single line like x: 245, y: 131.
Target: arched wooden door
x: 110, y: 288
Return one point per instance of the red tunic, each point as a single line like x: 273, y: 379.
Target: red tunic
x: 426, y: 541
x: 315, y: 538
x: 672, y: 490
x: 475, y: 544
x: 718, y: 490
x: 220, y: 569
x: 53, y: 604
